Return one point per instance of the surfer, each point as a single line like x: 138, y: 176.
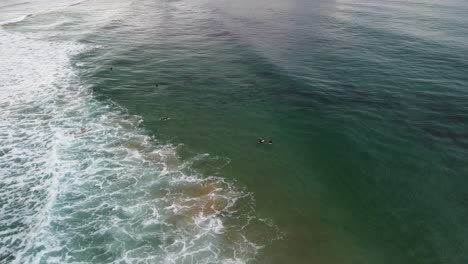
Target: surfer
x: 270, y: 141
x: 260, y: 141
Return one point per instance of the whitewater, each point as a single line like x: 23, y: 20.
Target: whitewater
x: 83, y: 181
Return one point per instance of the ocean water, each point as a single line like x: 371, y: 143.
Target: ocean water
x: 128, y: 131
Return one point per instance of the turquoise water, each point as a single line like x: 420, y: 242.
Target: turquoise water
x: 129, y: 128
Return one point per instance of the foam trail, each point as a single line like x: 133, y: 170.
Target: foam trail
x: 82, y: 181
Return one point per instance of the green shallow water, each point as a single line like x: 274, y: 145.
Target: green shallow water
x: 366, y: 103
x: 367, y: 109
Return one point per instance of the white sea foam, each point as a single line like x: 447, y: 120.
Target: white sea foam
x: 82, y: 181
x: 13, y: 12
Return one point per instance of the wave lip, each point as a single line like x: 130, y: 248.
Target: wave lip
x: 84, y: 182
x: 14, y: 20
